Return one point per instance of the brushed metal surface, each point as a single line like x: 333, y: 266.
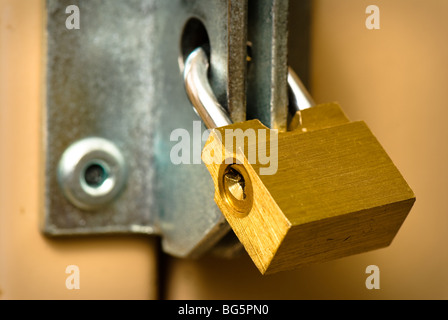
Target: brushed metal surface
x: 119, y: 77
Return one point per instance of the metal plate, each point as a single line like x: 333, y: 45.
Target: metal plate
x: 100, y: 83
x: 188, y: 219
x: 119, y: 77
x: 267, y: 72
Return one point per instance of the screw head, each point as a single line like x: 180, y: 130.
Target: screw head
x: 91, y: 173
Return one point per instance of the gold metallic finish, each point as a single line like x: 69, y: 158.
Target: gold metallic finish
x: 336, y: 192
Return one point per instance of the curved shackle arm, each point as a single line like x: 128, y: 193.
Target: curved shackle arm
x: 204, y: 101
x: 299, y: 98
x: 200, y: 93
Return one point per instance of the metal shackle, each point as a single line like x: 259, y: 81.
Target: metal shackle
x: 207, y: 106
x: 200, y: 93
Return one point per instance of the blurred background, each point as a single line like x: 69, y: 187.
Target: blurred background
x: 394, y: 78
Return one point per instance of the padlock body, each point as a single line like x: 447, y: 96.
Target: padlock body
x: 335, y: 192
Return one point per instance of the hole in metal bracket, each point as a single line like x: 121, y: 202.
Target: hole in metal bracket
x: 194, y: 36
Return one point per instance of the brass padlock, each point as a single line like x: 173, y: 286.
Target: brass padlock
x: 335, y: 191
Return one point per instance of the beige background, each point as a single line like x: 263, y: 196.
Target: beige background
x: 395, y: 79
x: 31, y: 266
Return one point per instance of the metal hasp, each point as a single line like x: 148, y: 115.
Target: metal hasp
x: 208, y: 108
x: 115, y: 94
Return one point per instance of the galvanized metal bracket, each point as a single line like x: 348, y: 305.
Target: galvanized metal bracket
x: 114, y: 95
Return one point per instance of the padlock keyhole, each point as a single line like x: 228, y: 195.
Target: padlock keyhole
x: 235, y: 188
x: 235, y: 184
